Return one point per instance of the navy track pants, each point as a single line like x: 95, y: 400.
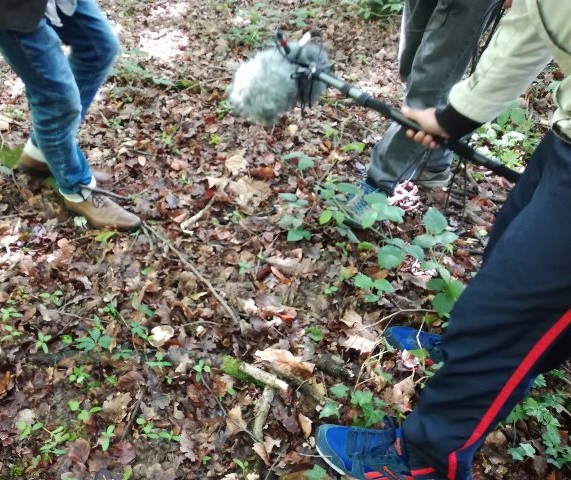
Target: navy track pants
x: 512, y: 322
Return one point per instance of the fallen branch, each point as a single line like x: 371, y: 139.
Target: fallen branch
x: 302, y: 385
x: 196, y: 217
x: 268, y: 379
x: 262, y: 411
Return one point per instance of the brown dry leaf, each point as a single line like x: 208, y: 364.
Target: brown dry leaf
x: 5, y: 382
x: 351, y: 318
x: 286, y: 360
x: 130, y: 381
x: 78, y: 451
x: 187, y: 446
x: 236, y: 162
x: 249, y: 193
x: 260, y: 449
x: 359, y: 343
x: 115, y: 408
x: 305, y: 424
x: 403, y: 391
x: 263, y: 173
x: 123, y: 452
x: 235, y: 421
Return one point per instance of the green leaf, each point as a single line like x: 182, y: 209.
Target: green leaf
x: 361, y: 398
x: 353, y: 147
x: 415, y: 251
x: 383, y: 285
x: 330, y: 409
x: 424, y: 241
x: 443, y: 304
x: 10, y: 156
x: 316, y: 473
x: 390, y: 256
x: 325, y: 217
x: 298, y: 234
x: 146, y: 310
x: 434, y: 221
x: 339, y: 391
x: 305, y: 163
x: 73, y: 405
x: 517, y: 116
x: 347, y: 188
x: 363, y: 281
x: 105, y: 236
x: 368, y: 218
x: 445, y: 238
x: 288, y: 197
x: 436, y: 284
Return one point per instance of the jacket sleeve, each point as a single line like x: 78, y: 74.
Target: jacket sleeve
x: 21, y: 15
x: 514, y: 58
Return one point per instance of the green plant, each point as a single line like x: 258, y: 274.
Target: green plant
x: 9, y: 312
x: 244, y: 266
x: 543, y: 409
x: 106, y: 437
x: 315, y: 333
x: 78, y: 375
x: 95, y: 339
x: 242, y: 464
x: 56, y: 438
x: 11, y: 333
x: 159, y: 362
x: 371, y: 407
x: 370, y: 9
x: 43, y: 342
x: 82, y: 414
x: 139, y: 330
x: 53, y: 298
x: 200, y: 368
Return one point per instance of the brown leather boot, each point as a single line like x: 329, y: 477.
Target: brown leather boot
x: 41, y: 169
x: 101, y: 211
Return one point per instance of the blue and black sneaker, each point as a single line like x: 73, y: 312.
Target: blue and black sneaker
x: 364, y: 453
x: 358, y: 210
x: 408, y: 338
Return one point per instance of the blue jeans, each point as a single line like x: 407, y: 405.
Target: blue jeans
x: 438, y: 39
x: 61, y: 88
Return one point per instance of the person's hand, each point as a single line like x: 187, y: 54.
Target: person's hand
x: 430, y: 126
x: 507, y: 4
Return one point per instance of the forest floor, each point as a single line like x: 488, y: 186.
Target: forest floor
x: 122, y: 355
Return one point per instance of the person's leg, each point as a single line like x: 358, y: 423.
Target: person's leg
x: 430, y: 68
x: 38, y: 59
x: 94, y: 48
x: 512, y: 322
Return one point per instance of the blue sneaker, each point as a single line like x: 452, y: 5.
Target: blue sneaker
x: 357, y: 208
x: 363, y: 453
x: 407, y: 338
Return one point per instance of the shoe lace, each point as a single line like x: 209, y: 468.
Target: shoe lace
x: 430, y: 340
x: 98, y: 200
x: 357, y: 202
x: 370, y: 444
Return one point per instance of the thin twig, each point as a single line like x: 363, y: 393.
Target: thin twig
x: 196, y: 217
x: 108, y: 193
x: 194, y: 270
x: 134, y: 411
x: 394, y: 314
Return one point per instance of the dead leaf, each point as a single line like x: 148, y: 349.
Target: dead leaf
x: 359, y: 343
x: 236, y: 163
x: 235, y: 421
x: 115, y: 408
x: 305, y: 424
x: 78, y: 451
x: 249, y: 193
x: 260, y: 449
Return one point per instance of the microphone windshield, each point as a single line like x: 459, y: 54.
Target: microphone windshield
x: 272, y: 83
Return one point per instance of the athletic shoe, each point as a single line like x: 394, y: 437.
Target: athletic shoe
x: 359, y: 205
x: 362, y: 453
x: 428, y: 179
x: 407, y: 338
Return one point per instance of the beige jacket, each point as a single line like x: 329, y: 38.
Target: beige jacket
x: 531, y: 33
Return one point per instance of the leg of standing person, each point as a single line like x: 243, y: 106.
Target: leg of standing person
x: 438, y: 40
x: 56, y: 106
x: 512, y: 322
